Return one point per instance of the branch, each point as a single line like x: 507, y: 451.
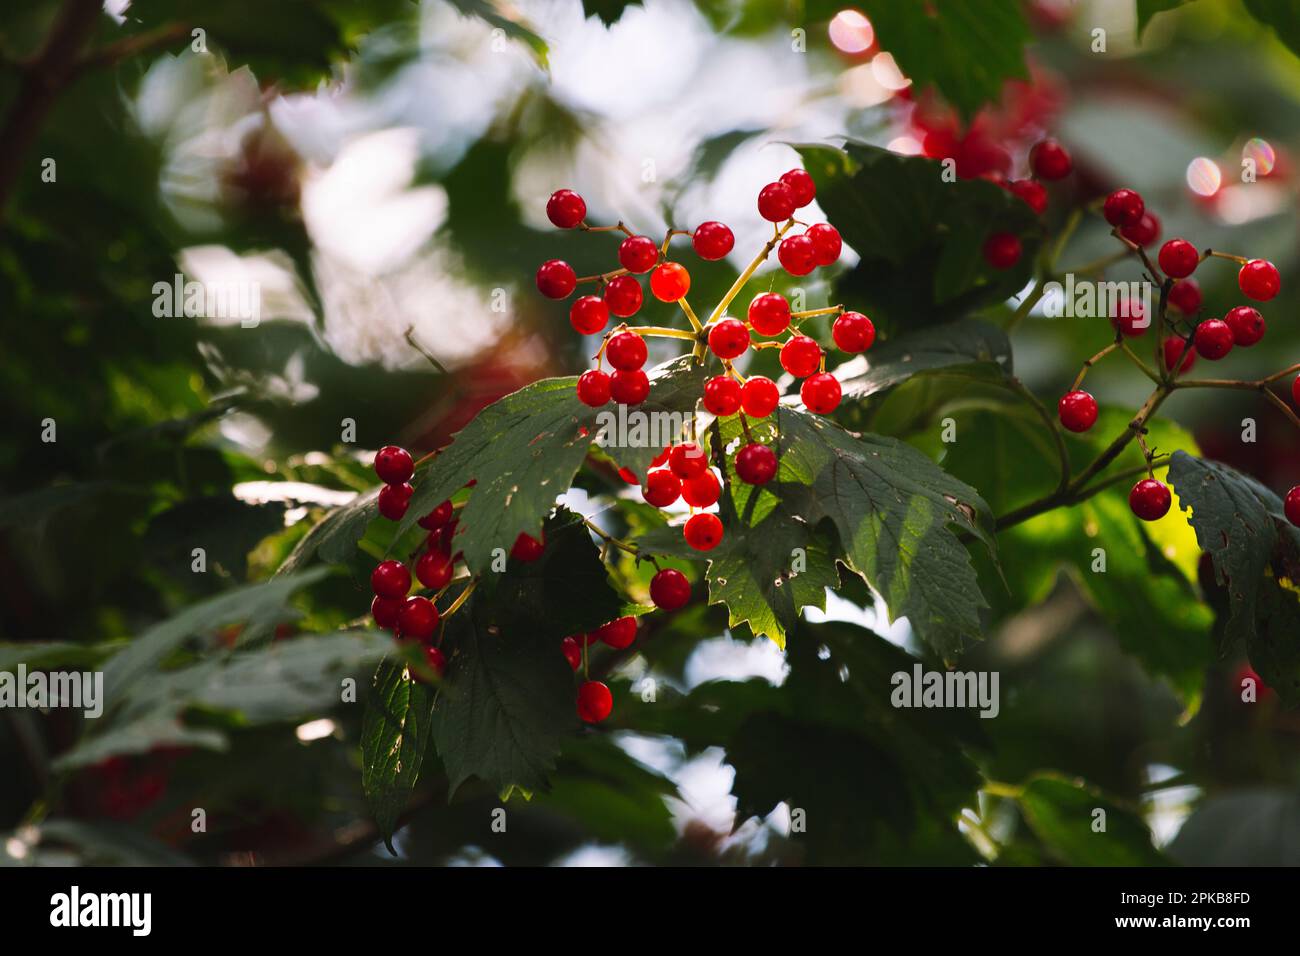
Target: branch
x: 44, y: 77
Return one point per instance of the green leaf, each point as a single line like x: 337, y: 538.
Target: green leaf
x: 565, y: 591
x: 334, y: 538
x: 892, y: 507
x: 141, y: 735
x: 107, y: 843
x: 1061, y: 812
x: 225, y: 527
x: 967, y: 346
x: 965, y: 50
x: 505, y: 16
x: 524, y: 450
x: 609, y: 11
x: 1235, y: 520
x: 1282, y: 15
x: 249, y: 603
x: 507, y: 702
x: 675, y: 388
x: 394, y: 735
x: 918, y: 236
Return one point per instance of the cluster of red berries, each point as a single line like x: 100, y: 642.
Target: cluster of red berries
x: 1210, y: 338
x: 688, y: 475
x: 394, y: 608
x: 1048, y: 161
x: 594, y: 698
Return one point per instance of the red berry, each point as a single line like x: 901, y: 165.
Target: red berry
x: 1145, y: 232
x: 801, y: 356
x: 1034, y: 194
x: 662, y: 488
x: 728, y: 338
x: 1213, y: 339
x: 722, y: 395
x: 1123, y: 207
x: 629, y: 388
x: 589, y: 315
x: 769, y: 313
x: 434, y: 569
x: 1002, y: 250
x: 629, y: 476
x: 393, y: 500
x: 1130, y: 317
x: 1150, y: 499
x: 618, y: 634
x: 821, y: 393
x: 638, y: 254
x: 417, y: 619
x: 440, y: 539
x: 1173, y: 349
x: 594, y: 701
x: 669, y: 589
x: 528, y: 548
x: 1178, y: 258
x: 776, y: 202
x: 435, y: 660
x: 853, y: 332
x: 566, y: 209
x: 1185, y: 296
x: 1247, y: 325
x: 670, y: 281
x: 385, y: 610
x: 394, y: 465
x: 556, y: 279
x: 390, y: 579
x: 626, y: 350
x: 798, y: 255
x: 827, y: 243
x: 661, y: 458
x: 688, y: 460
x: 1259, y: 280
x: 703, y: 532
x: 436, y: 518
x: 1050, y: 160
x: 802, y: 188
x: 759, y: 396
x: 572, y: 652
x: 756, y: 464
x: 593, y: 388
x: 702, y: 491
x: 1077, y: 411
x: 623, y: 296
x: 1291, y: 506
x: 712, y: 240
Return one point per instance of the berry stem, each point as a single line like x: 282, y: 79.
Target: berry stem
x: 620, y: 227
x: 1090, y: 362
x: 1027, y: 304
x: 601, y: 277
x: 657, y: 331
x: 608, y: 538
x: 668, y: 237
x: 690, y: 314
x: 809, y: 313
x: 460, y: 600
x: 1062, y: 452
x: 1141, y: 365
x: 1240, y: 260
x: 745, y: 276
x: 410, y: 338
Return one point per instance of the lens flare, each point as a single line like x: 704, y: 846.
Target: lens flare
x: 1261, y: 154
x: 1203, y: 176
x: 851, y: 32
